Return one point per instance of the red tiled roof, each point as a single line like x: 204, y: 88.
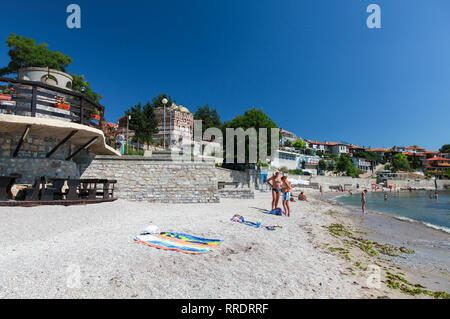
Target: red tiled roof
x: 437, y: 158
x: 377, y: 149
x: 412, y: 154
x: 414, y: 148
x: 316, y: 142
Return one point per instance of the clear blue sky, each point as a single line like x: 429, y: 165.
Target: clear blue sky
x: 313, y: 66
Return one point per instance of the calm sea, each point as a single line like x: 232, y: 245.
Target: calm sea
x: 414, y: 206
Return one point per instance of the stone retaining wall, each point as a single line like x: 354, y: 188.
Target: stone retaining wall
x: 156, y: 180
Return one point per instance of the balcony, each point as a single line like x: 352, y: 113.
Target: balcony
x: 50, y: 111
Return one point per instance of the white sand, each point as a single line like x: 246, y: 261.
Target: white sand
x: 39, y: 244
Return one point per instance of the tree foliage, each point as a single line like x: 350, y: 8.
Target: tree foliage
x: 143, y: 122
x: 445, y: 148
x: 79, y: 84
x: 399, y: 162
x: 252, y: 118
x: 345, y: 164
x: 25, y: 52
x: 209, y: 117
x: 299, y: 144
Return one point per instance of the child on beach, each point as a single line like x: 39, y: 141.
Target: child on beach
x: 302, y: 196
x: 286, y: 195
x: 363, y: 201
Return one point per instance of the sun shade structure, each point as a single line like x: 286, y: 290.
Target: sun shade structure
x: 83, y: 136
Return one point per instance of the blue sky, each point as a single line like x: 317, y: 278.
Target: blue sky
x: 313, y: 66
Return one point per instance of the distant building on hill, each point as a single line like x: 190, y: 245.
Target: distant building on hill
x: 287, y: 136
x: 179, y: 125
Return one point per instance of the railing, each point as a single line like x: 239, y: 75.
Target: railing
x: 37, y: 99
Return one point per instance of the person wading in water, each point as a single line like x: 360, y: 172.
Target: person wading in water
x: 363, y: 201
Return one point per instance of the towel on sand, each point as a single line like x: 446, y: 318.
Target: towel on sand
x: 179, y: 242
x: 240, y: 219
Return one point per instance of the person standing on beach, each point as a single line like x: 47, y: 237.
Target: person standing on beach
x: 385, y: 197
x: 321, y: 190
x: 276, y: 188
x: 363, y: 201
x: 286, y: 195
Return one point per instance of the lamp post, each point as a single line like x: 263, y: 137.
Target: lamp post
x: 128, y: 122
x: 164, y: 101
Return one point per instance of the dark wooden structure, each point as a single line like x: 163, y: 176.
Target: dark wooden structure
x: 58, y: 192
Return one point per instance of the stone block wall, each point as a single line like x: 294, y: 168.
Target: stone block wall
x: 30, y: 168
x: 156, y: 180
x: 31, y: 161
x: 33, y: 147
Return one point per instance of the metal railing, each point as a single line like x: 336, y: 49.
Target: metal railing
x: 37, y: 99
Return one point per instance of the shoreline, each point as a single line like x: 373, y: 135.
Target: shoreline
x: 430, y: 265
x: 42, y: 246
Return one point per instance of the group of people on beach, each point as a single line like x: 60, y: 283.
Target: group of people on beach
x: 282, y: 187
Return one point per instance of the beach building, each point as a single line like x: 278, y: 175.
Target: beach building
x: 380, y: 151
x: 362, y: 163
x: 315, y: 145
x: 46, y: 127
x: 287, y: 136
x: 179, y: 125
x: 436, y: 165
x: 293, y: 159
x: 337, y: 148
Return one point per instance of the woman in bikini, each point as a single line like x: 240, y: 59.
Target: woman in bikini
x: 363, y: 201
x: 275, y: 183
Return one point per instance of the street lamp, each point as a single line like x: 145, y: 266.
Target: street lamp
x: 164, y: 101
x: 128, y: 123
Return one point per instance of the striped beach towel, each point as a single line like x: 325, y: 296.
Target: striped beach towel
x: 179, y: 242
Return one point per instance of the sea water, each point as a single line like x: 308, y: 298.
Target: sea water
x: 413, y: 206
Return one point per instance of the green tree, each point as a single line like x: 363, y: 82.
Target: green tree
x: 252, y: 118
x: 25, y: 52
x: 400, y: 162
x: 447, y: 173
x: 209, y: 117
x: 299, y: 144
x: 79, y: 84
x: 287, y: 143
x: 157, y: 100
x: 445, y: 148
x: 415, y: 163
x: 345, y: 164
x: 143, y: 122
x: 322, y: 165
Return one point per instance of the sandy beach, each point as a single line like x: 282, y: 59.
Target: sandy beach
x: 43, y: 247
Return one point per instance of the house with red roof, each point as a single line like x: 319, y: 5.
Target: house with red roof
x: 436, y: 165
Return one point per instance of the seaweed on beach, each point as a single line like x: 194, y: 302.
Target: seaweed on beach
x: 396, y: 281
x: 374, y: 249
x: 370, y: 247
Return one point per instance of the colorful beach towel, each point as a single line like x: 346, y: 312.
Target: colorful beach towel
x: 276, y: 211
x: 179, y: 242
x: 240, y: 219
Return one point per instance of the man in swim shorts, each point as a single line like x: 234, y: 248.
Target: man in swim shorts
x: 275, y: 183
x: 286, y: 195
